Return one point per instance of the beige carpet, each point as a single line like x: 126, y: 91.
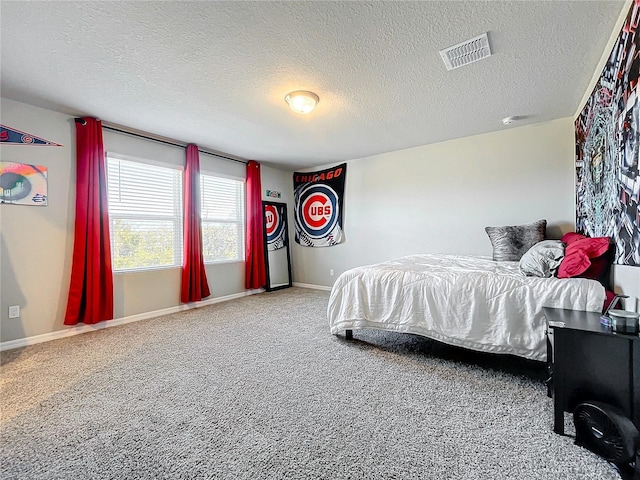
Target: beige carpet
x: 257, y: 388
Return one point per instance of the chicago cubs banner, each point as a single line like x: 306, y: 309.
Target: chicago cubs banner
x: 318, y: 206
x: 275, y: 224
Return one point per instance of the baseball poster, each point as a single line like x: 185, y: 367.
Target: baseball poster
x: 275, y: 225
x: 318, y: 203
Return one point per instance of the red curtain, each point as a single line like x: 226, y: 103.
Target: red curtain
x: 91, y: 289
x: 255, y: 274
x: 194, y: 278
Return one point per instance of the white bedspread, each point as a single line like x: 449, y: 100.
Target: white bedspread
x: 472, y: 302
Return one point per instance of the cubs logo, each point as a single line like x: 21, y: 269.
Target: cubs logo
x: 319, y: 212
x: 273, y: 223
x: 318, y: 206
x: 27, y: 139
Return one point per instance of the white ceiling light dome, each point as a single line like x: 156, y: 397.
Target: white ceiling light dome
x: 302, y: 101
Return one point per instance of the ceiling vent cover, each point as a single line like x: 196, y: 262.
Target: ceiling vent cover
x: 466, y: 52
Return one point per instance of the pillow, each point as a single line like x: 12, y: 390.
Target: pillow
x: 578, y: 255
x: 600, y: 268
x: 543, y: 259
x: 571, y: 237
x: 511, y: 242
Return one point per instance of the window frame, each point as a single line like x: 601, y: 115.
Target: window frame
x: 241, y: 222
x: 178, y: 240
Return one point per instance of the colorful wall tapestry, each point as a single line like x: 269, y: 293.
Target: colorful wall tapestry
x: 275, y: 223
x: 23, y: 184
x: 608, y: 184
x: 11, y: 136
x: 318, y: 204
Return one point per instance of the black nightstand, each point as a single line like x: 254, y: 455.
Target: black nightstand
x: 587, y: 361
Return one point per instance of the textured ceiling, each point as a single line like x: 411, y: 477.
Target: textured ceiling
x: 216, y: 73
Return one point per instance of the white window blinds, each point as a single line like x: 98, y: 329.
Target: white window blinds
x: 222, y: 214
x: 145, y: 212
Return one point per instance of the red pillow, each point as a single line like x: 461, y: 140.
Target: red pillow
x: 571, y: 237
x: 599, y: 270
x: 578, y: 255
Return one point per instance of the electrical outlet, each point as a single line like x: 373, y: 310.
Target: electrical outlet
x: 331, y: 272
x: 14, y: 311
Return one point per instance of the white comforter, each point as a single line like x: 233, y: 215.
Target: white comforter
x: 472, y: 302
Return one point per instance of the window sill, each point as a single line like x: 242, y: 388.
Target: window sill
x: 223, y: 262
x: 146, y: 269
x: 171, y: 267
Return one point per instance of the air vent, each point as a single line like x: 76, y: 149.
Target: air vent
x: 466, y: 52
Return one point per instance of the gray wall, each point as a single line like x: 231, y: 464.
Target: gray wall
x: 281, y: 181
x: 150, y: 290
x: 35, y: 255
x: 438, y: 198
x: 36, y: 243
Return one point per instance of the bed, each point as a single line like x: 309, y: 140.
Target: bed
x: 468, y: 301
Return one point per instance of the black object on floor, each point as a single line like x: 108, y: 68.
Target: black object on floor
x: 605, y: 430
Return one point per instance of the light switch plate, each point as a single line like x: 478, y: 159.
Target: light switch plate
x: 14, y: 311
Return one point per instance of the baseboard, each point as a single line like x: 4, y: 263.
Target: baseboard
x: 314, y: 287
x: 79, y: 329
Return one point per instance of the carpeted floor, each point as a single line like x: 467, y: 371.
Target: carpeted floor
x: 258, y: 388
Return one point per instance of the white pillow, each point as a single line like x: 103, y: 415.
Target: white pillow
x: 543, y: 259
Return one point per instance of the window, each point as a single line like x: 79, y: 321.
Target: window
x: 222, y: 215
x: 145, y: 214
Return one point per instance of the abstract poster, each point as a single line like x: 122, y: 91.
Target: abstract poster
x: 318, y: 203
x: 23, y: 184
x: 607, y: 182
x: 11, y: 136
x: 275, y: 224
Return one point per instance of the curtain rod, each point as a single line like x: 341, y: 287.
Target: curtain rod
x: 175, y: 143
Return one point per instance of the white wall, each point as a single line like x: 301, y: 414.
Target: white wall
x: 438, y: 198
x: 36, y: 243
x: 626, y: 280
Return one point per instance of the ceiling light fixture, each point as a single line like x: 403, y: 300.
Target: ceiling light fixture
x: 302, y: 101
